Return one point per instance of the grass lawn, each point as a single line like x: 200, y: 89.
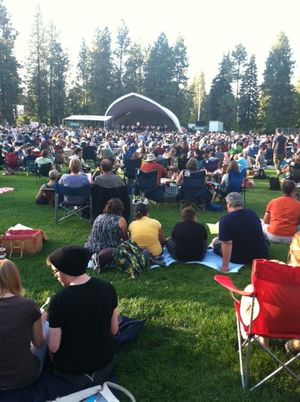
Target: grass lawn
x: 186, y: 351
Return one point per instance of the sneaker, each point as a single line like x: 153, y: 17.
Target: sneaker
x: 293, y: 346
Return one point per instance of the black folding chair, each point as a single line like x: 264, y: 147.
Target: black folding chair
x: 194, y: 191
x: 71, y: 201
x: 42, y: 172
x: 146, y: 185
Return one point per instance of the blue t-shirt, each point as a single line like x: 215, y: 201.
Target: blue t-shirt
x: 244, y: 229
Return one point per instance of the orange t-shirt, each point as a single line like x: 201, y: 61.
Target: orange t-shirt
x: 284, y: 216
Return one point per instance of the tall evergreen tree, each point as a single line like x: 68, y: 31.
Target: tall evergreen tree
x: 277, y: 89
x: 178, y: 103
x: 58, y: 66
x: 198, y: 92
x: 239, y: 56
x: 159, y: 71
x: 9, y: 78
x: 100, y: 85
x: 249, y: 97
x: 297, y: 105
x: 121, y: 53
x: 222, y: 102
x: 37, y: 72
x: 79, y: 97
x: 133, y: 79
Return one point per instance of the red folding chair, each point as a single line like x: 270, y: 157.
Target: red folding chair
x: 270, y: 309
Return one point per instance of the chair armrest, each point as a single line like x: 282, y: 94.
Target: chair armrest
x: 226, y: 283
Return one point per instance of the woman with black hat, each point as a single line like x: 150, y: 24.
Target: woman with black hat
x: 83, y: 318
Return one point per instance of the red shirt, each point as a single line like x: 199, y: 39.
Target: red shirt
x: 150, y: 166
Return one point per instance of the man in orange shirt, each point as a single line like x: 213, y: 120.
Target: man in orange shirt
x: 151, y: 165
x: 282, y: 217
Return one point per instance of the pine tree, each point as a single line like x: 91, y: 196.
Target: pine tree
x: 178, y: 102
x: 239, y: 56
x: 249, y: 97
x: 133, y: 79
x: 121, y: 53
x: 277, y: 89
x: 101, y: 83
x: 159, y: 71
x: 37, y: 99
x: 222, y: 102
x: 9, y: 78
x: 58, y: 66
x: 198, y: 93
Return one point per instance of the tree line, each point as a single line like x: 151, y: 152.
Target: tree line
x: 107, y: 70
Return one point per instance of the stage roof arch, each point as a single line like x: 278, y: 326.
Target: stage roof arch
x: 132, y: 108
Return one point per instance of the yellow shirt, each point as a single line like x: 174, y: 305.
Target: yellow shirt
x: 144, y: 232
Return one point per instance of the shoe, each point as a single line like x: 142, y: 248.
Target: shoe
x: 293, y: 346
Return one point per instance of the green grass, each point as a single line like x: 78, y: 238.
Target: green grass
x: 186, y: 351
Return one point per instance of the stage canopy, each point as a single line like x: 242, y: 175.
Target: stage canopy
x: 132, y: 108
x: 87, y: 117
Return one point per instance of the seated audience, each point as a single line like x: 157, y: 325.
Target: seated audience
x: 107, y: 178
x: 109, y: 228
x: 21, y: 332
x: 44, y: 159
x: 151, y: 164
x: 75, y: 179
x: 188, y: 241
x: 145, y: 231
x: 292, y: 169
x: 241, y: 238
x: 44, y: 197
x: 221, y: 190
x: 191, y: 167
x: 83, y: 318
x: 282, y: 217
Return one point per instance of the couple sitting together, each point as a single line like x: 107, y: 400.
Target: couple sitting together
x: 78, y: 330
x: 188, y: 240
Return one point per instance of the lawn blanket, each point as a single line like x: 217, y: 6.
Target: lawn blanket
x: 4, y: 190
x: 211, y: 260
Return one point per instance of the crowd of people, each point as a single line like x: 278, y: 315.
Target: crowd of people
x: 87, y: 357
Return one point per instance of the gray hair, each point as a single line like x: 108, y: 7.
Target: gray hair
x: 53, y: 174
x: 235, y: 200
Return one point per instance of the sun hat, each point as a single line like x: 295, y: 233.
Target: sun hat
x: 150, y: 158
x: 70, y: 260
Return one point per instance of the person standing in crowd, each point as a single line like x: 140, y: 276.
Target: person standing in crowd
x: 21, y: 323
x: 83, y: 318
x: 241, y: 238
x: 279, y: 149
x: 282, y: 216
x: 188, y: 241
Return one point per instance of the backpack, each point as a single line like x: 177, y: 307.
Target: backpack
x: 260, y: 174
x: 129, y: 257
x: 274, y: 183
x: 294, y: 251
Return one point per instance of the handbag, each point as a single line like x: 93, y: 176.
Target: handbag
x: 96, y: 394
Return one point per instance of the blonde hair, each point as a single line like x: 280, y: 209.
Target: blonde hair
x: 10, y: 280
x: 75, y: 165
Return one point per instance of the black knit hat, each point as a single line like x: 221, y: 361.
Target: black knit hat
x: 70, y: 260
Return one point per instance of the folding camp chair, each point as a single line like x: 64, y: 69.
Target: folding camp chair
x: 270, y: 309
x: 71, y: 201
x: 194, y: 191
x: 42, y: 172
x: 146, y: 185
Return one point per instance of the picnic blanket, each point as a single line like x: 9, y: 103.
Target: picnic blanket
x: 4, y: 190
x: 211, y: 260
